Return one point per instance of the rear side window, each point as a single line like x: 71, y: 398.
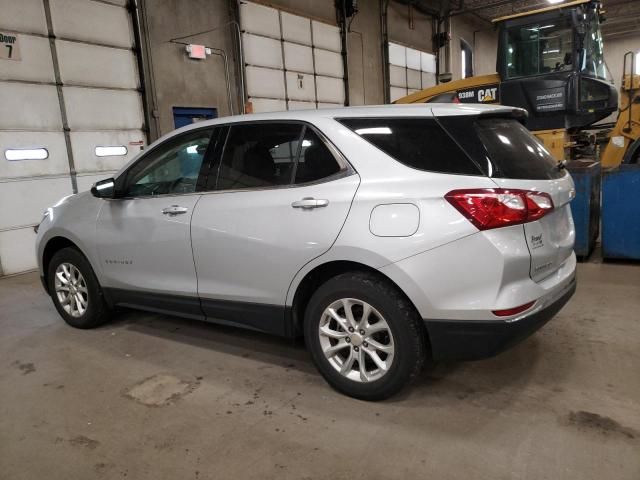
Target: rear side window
x: 316, y: 161
x: 259, y: 155
x: 503, y: 147
x: 415, y: 142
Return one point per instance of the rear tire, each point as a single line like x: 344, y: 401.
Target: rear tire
x: 375, y: 350
x: 75, y: 290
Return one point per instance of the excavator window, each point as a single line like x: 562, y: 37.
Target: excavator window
x: 539, y: 48
x: 592, y: 61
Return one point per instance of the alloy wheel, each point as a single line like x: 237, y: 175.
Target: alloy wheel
x: 356, y: 340
x: 71, y: 289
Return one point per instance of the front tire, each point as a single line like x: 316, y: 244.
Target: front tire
x: 75, y: 290
x: 365, y: 337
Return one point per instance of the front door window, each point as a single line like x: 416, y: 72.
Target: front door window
x: 172, y: 168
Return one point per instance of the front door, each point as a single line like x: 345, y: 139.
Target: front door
x: 144, y: 242
x: 267, y: 216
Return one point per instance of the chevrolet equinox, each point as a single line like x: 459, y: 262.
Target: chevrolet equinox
x: 383, y: 235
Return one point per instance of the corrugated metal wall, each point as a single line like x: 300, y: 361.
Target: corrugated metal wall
x: 74, y: 87
x: 291, y: 62
x: 410, y: 70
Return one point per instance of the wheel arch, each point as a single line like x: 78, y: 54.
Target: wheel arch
x: 319, y: 275
x: 53, y: 245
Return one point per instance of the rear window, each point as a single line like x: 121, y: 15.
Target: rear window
x: 416, y: 142
x: 502, y: 147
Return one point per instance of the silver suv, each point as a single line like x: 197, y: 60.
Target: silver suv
x: 383, y: 235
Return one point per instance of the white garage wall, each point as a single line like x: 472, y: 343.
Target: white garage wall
x: 75, y: 87
x: 291, y: 62
x: 410, y: 70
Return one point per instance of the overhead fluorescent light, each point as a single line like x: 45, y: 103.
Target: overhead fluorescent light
x: 555, y: 1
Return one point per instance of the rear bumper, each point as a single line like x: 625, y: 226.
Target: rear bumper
x: 477, y: 339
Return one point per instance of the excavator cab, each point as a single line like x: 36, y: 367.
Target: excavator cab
x: 551, y: 62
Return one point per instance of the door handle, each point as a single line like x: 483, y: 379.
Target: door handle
x: 174, y: 210
x: 308, y: 203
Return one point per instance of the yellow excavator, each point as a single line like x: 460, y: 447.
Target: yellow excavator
x: 550, y: 62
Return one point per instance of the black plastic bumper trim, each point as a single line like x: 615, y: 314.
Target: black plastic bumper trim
x: 477, y: 339
x: 273, y: 319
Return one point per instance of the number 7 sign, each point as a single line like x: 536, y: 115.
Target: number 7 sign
x: 9, y: 46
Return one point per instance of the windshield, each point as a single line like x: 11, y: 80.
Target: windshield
x: 539, y: 48
x: 592, y: 58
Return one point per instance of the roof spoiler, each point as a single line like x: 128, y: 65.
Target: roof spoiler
x: 519, y: 114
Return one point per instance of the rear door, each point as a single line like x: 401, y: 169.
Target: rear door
x: 515, y: 159
x: 266, y: 216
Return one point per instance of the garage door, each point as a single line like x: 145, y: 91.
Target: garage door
x: 291, y: 62
x: 410, y: 70
x: 70, y: 109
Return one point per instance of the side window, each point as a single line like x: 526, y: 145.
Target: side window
x: 316, y: 161
x: 171, y: 168
x: 418, y: 143
x: 466, y: 58
x: 259, y: 155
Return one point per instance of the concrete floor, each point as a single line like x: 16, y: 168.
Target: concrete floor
x: 153, y: 397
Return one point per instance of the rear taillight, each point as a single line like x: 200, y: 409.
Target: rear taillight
x: 538, y: 205
x: 490, y: 208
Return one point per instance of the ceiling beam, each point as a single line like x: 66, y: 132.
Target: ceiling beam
x: 483, y: 7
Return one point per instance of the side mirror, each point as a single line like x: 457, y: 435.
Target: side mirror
x: 104, y: 188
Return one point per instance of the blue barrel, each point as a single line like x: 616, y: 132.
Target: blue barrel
x: 621, y: 213
x: 585, y: 207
